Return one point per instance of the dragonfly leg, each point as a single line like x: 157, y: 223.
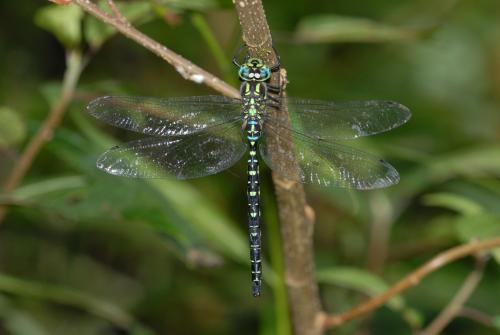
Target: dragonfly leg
x: 276, y: 66
x: 274, y: 90
x: 275, y: 106
x: 273, y: 68
x: 235, y: 62
x: 275, y: 99
x: 238, y: 52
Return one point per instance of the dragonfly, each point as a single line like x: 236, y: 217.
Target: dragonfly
x: 196, y: 136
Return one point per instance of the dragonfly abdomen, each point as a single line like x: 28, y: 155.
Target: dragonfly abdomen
x: 253, y: 194
x: 253, y: 97
x: 253, y: 130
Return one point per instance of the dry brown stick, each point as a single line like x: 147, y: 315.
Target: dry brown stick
x: 411, y: 280
x: 455, y: 305
x: 183, y: 66
x: 296, y: 225
x: 74, y: 67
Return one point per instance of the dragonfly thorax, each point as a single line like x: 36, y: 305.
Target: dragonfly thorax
x: 253, y: 96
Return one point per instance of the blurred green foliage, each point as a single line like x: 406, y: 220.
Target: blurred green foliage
x: 86, y: 253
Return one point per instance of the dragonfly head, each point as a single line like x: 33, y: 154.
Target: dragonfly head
x: 254, y: 69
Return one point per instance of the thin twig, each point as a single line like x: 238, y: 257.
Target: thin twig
x: 477, y: 316
x: 116, y: 11
x: 411, y: 280
x: 296, y: 226
x: 183, y: 66
x: 454, y: 306
x: 74, y: 67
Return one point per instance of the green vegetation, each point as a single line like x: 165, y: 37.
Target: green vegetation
x: 82, y: 252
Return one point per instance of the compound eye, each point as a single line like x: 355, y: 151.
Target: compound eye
x: 265, y: 73
x: 244, y: 71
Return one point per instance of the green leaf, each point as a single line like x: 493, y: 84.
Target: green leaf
x: 12, y: 129
x: 65, y: 296
x: 334, y: 28
x: 20, y: 323
x: 479, y: 161
x: 472, y: 162
x: 454, y: 202
x: 495, y: 322
x: 356, y: 279
x: 97, y: 32
x: 64, y: 22
x: 479, y: 226
x: 199, y: 5
x: 42, y: 188
x: 16, y: 321
x: 51, y: 91
x: 215, y: 226
x: 483, y: 191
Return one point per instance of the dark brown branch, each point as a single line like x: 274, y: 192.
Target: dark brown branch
x: 183, y: 66
x: 411, y: 280
x: 74, y: 66
x: 296, y: 216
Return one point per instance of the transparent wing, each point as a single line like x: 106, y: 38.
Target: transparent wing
x: 178, y: 116
x: 344, y: 120
x: 325, y: 163
x: 185, y: 157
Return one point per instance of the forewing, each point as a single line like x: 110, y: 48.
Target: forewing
x: 196, y: 155
x: 344, y: 120
x: 326, y: 163
x: 178, y: 116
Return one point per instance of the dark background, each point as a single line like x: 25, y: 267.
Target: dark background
x: 82, y: 252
